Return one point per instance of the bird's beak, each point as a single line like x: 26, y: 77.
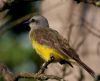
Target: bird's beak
x: 27, y: 22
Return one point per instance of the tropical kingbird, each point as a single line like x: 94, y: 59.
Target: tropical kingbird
x: 49, y: 43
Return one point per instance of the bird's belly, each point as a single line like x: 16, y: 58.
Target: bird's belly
x: 46, y: 52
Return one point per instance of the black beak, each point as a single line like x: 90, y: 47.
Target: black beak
x: 27, y: 22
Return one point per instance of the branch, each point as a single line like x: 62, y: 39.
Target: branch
x: 82, y: 77
x: 9, y: 76
x: 3, y: 29
x: 35, y: 76
x: 87, y: 1
x: 7, y: 4
x: 94, y: 2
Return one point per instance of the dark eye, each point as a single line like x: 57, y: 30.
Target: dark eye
x: 33, y: 20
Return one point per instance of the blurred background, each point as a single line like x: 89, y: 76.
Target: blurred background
x: 77, y: 20
x: 15, y: 47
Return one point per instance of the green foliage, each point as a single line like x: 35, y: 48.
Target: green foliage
x: 17, y: 53
x: 12, y: 51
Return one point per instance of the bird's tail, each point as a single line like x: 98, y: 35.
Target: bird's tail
x: 89, y: 70
x: 72, y: 54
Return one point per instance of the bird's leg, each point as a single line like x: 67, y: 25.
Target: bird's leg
x: 44, y: 66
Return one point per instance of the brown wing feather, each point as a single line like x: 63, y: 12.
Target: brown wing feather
x: 46, y: 37
x: 49, y: 37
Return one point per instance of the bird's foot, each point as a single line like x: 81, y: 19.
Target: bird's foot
x: 45, y: 65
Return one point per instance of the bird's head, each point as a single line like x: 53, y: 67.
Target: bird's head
x: 37, y: 22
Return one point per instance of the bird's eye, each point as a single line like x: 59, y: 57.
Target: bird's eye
x: 33, y: 20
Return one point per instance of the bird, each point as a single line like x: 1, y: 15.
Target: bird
x: 48, y: 43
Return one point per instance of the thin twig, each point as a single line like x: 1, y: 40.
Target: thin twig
x: 3, y: 29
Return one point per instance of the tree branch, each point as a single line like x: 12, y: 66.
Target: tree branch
x: 9, y: 76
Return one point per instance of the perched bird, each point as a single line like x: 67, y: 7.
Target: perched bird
x: 49, y: 43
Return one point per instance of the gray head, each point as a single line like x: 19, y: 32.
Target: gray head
x: 38, y: 21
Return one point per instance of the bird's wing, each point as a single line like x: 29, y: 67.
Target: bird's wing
x: 47, y: 37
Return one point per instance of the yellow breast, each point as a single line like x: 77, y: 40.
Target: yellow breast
x: 46, y: 52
